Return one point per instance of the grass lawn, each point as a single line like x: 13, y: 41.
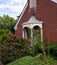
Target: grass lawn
x: 29, y: 60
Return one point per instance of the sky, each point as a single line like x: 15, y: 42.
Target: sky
x: 13, y: 8
x: 54, y: 1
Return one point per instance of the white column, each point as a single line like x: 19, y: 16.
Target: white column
x: 23, y: 33
x: 31, y: 37
x: 41, y: 35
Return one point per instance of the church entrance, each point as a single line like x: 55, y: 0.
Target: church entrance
x: 32, y: 30
x: 36, y: 34
x: 27, y: 33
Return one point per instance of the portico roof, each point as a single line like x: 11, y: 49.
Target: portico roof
x: 32, y: 22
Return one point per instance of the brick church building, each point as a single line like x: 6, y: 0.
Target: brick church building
x: 40, y: 15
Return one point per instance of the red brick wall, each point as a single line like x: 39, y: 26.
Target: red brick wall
x: 46, y: 11
x: 24, y: 18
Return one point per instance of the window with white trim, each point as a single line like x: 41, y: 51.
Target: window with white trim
x: 32, y: 3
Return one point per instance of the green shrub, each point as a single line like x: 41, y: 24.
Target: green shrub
x: 12, y: 48
x: 35, y: 49
x: 38, y: 48
x: 29, y: 60
x: 3, y: 33
x: 51, y: 49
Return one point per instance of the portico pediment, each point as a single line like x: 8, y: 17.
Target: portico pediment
x: 32, y: 22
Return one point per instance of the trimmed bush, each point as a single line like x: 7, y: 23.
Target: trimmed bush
x: 12, y: 48
x: 29, y: 60
x: 3, y: 33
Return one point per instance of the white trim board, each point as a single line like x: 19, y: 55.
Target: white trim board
x: 15, y: 28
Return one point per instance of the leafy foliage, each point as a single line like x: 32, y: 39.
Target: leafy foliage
x: 51, y: 49
x: 7, y: 22
x: 3, y: 33
x: 12, y: 48
x: 29, y: 60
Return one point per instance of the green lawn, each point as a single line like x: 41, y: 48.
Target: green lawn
x: 29, y: 60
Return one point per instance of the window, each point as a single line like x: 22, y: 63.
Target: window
x: 32, y: 3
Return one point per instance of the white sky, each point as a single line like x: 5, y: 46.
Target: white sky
x: 54, y: 1
x: 13, y: 7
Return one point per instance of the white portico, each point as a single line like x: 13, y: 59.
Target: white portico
x: 31, y: 23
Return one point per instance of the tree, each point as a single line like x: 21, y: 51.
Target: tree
x: 7, y: 22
